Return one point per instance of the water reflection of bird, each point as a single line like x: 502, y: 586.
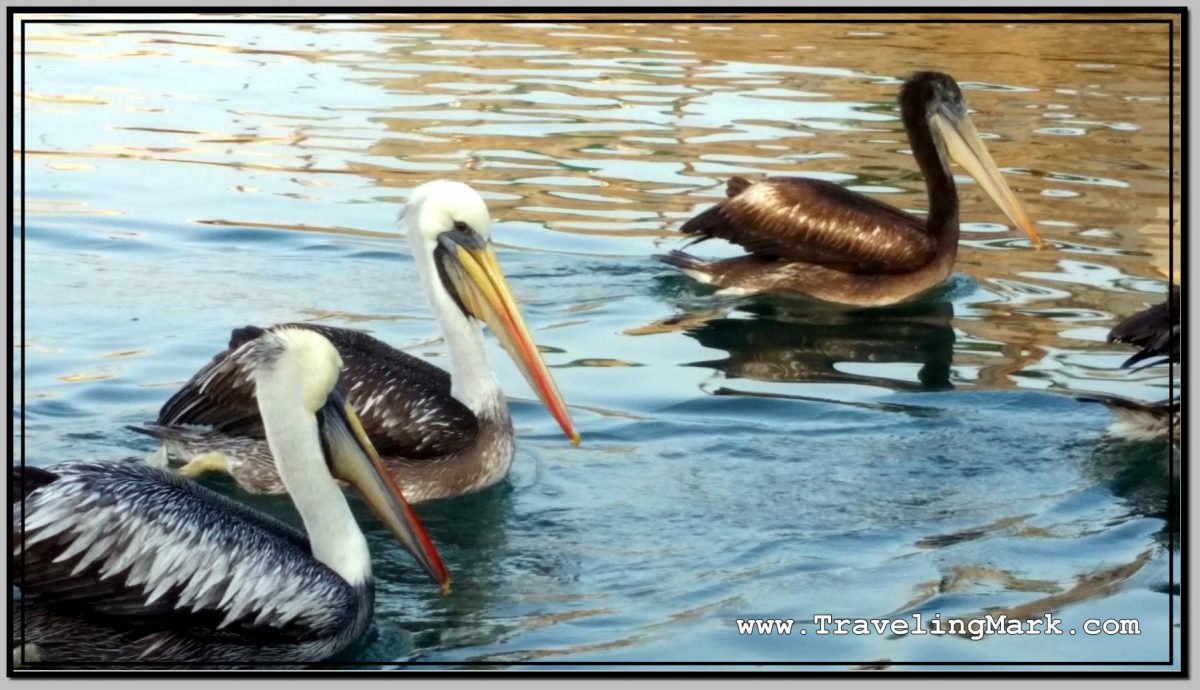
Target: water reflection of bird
x: 1155, y: 332
x: 783, y: 345
x: 441, y: 434
x: 822, y: 240
x: 121, y: 562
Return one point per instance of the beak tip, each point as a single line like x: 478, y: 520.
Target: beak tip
x: 574, y: 439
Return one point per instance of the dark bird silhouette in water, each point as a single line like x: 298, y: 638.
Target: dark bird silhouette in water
x: 1155, y: 332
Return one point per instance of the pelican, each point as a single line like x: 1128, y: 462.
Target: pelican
x: 818, y: 239
x: 440, y: 434
x: 1155, y: 332
x: 122, y: 563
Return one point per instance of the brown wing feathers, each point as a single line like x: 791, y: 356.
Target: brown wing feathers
x: 404, y: 403
x: 221, y: 394
x: 1155, y: 331
x: 814, y: 221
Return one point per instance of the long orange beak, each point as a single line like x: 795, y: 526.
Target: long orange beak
x: 470, y: 264
x: 353, y: 459
x: 963, y: 145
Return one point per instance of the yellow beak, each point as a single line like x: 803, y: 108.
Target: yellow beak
x: 963, y: 145
x: 469, y: 263
x: 353, y: 459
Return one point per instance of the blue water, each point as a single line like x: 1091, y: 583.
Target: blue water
x: 741, y: 458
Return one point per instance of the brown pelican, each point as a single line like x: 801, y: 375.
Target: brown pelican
x: 121, y: 563
x: 1155, y: 332
x: 440, y: 434
x: 816, y: 238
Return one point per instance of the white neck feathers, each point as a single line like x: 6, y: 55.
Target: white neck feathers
x: 432, y: 209
x: 334, y: 534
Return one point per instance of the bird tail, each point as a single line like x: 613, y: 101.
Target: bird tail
x: 173, y: 449
x: 688, y: 264
x: 1116, y: 401
x: 681, y: 260
x: 1135, y: 419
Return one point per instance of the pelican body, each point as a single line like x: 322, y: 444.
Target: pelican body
x: 125, y: 564
x: 441, y: 434
x: 816, y: 238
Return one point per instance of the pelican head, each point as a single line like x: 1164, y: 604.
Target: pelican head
x: 297, y: 374
x: 438, y: 206
x: 936, y: 98
x: 450, y: 231
x: 305, y: 359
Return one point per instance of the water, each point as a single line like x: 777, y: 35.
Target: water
x: 741, y: 458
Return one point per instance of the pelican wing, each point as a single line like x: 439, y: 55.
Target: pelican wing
x: 145, y: 549
x: 799, y: 219
x: 221, y: 394
x: 404, y: 403
x: 1154, y: 331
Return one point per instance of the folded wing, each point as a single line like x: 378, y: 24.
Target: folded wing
x: 404, y: 403
x: 1154, y: 331
x: 145, y: 549
x: 813, y: 221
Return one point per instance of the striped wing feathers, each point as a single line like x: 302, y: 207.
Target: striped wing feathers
x: 404, y: 403
x: 813, y: 221
x: 142, y: 545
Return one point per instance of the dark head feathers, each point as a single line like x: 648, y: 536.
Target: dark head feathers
x: 925, y: 90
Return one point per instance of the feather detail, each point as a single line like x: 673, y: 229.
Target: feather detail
x: 134, y: 543
x: 817, y: 222
x: 1154, y: 331
x: 404, y: 403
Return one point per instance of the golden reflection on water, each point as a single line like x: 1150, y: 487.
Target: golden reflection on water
x: 626, y: 130
x: 654, y: 91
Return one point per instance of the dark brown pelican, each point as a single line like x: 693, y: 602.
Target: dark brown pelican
x: 1155, y: 332
x: 440, y: 434
x: 121, y: 563
x: 816, y: 238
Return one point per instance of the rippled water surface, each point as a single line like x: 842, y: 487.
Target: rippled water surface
x: 766, y: 457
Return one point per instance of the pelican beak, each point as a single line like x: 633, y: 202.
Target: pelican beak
x: 963, y: 145
x: 468, y: 267
x: 353, y: 459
